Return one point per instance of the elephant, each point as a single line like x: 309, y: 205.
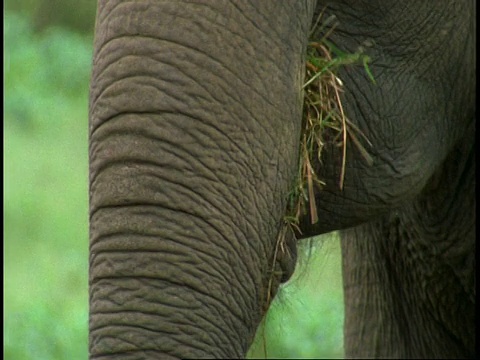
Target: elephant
x: 194, y: 131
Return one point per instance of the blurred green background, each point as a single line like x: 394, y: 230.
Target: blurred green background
x: 47, y: 62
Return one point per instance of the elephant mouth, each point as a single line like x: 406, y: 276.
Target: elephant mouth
x: 323, y: 122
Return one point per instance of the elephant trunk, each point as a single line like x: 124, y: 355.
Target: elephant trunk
x: 194, y: 114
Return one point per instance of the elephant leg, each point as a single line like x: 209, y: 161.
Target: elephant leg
x: 409, y: 278
x: 195, y: 114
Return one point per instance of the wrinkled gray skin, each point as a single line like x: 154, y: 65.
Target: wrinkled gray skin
x: 195, y: 115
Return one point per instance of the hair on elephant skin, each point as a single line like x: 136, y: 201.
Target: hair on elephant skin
x: 195, y: 121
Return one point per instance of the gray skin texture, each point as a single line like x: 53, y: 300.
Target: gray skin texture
x: 195, y: 117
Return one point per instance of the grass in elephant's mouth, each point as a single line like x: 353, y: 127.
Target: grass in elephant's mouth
x: 324, y: 121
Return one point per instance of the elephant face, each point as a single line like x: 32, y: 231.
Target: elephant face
x: 420, y: 107
x: 195, y: 121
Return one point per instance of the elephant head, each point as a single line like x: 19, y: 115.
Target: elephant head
x: 195, y: 121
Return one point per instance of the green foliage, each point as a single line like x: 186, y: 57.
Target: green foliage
x: 46, y: 215
x: 305, y: 320
x: 342, y: 58
x: 70, y: 14
x: 46, y: 243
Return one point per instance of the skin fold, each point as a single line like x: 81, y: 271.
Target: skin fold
x: 195, y: 117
